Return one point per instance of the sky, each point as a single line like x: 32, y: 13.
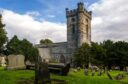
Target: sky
x: 41, y: 19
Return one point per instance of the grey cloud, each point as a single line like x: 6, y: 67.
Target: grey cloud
x: 114, y: 18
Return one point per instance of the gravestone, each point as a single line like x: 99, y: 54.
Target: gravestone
x: 86, y: 71
x: 78, y: 68
x: 30, y: 65
x: 75, y: 70
x: 117, y: 68
x: 15, y: 62
x: 3, y: 61
x: 59, y: 68
x: 42, y: 75
x: 100, y: 72
x: 119, y: 77
x: 108, y: 74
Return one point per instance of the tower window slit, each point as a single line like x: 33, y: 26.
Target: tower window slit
x: 73, y: 19
x: 87, y: 20
x: 73, y: 28
x: 87, y: 30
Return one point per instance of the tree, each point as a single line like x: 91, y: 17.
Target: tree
x: 29, y: 51
x: 98, y: 54
x: 108, y: 45
x: 116, y: 53
x: 108, y: 53
x: 24, y: 47
x: 3, y: 34
x: 45, y: 41
x: 14, y: 46
x: 81, y: 56
x: 121, y: 54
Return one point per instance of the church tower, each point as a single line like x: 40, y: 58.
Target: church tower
x: 78, y: 27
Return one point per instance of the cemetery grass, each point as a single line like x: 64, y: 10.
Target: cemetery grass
x: 80, y: 78
x: 11, y: 77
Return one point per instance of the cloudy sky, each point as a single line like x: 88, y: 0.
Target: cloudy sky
x: 40, y: 19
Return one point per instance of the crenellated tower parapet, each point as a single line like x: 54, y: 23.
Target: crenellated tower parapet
x: 80, y: 9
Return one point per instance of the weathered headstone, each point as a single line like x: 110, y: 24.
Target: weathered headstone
x: 75, y: 70
x: 86, y: 71
x: 30, y: 65
x: 42, y: 75
x: 107, y: 72
x: 117, y: 68
x: 15, y: 62
x: 100, y: 72
x: 110, y: 77
x: 119, y: 77
x: 3, y: 61
x: 78, y: 68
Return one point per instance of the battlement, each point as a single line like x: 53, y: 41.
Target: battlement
x: 80, y: 3
x: 80, y: 9
x: 71, y: 12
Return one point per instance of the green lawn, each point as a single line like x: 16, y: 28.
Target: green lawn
x: 10, y: 77
x: 80, y: 78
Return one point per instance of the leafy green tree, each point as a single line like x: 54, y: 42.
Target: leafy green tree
x: 29, y: 51
x: 81, y: 56
x: 108, y: 45
x: 45, y: 41
x: 108, y: 53
x: 116, y: 53
x: 98, y: 54
x: 24, y: 47
x: 14, y: 46
x: 120, y: 57
x: 3, y: 34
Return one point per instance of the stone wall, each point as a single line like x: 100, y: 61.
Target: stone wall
x: 60, y: 49
x: 53, y: 51
x: 45, y: 53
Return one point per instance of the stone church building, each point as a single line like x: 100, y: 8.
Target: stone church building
x: 78, y: 32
